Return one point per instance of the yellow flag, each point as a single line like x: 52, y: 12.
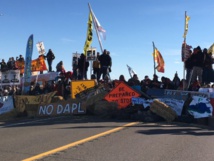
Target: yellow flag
x: 186, y: 26
x: 211, y: 49
x: 89, y: 34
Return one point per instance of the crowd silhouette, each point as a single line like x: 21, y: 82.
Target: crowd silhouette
x: 198, y: 66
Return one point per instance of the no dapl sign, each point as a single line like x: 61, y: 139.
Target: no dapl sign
x: 122, y: 94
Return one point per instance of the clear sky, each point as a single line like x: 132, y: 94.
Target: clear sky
x: 131, y: 27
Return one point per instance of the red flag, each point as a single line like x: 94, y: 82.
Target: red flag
x: 159, y: 60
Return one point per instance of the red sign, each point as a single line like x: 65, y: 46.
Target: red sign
x: 122, y: 94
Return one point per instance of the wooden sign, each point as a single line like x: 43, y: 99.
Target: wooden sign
x: 79, y: 86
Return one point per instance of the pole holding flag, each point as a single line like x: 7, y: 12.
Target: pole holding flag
x: 154, y: 56
x: 186, y: 27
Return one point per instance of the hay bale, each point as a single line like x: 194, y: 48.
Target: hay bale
x: 163, y: 110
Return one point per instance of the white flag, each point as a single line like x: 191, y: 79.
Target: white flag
x: 131, y: 71
x: 100, y: 29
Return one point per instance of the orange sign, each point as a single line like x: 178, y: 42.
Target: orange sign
x: 122, y: 94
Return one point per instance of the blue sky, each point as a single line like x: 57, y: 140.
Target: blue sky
x: 131, y: 27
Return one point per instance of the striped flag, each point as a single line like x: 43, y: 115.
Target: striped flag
x: 159, y: 60
x: 185, y: 54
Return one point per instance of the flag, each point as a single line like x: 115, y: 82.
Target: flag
x: 159, y: 60
x: 89, y: 34
x: 41, y: 48
x: 98, y: 27
x: 131, y: 71
x: 211, y: 49
x: 27, y: 68
x: 187, y: 18
x: 185, y: 54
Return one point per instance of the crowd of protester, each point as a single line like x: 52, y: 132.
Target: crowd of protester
x: 199, y: 73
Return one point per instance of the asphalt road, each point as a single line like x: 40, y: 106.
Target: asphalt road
x: 85, y: 138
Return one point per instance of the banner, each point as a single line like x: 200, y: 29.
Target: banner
x: 200, y: 107
x: 36, y: 65
x: 27, y: 71
x: 6, y: 104
x: 61, y: 108
x: 89, y: 34
x: 10, y: 77
x: 21, y: 101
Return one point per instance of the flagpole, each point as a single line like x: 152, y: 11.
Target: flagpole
x: 184, y: 48
x: 129, y: 71
x: 154, y: 56
x: 100, y: 43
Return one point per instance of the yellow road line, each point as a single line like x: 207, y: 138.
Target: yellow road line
x: 39, y: 156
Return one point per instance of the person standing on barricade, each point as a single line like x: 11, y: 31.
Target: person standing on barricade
x: 198, y: 62
x: 105, y: 63
x: 50, y: 57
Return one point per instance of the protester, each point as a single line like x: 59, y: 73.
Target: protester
x: 198, y: 62
x: 50, y: 57
x: 134, y: 81
x: 21, y: 59
x: 176, y: 81
x: 82, y: 67
x: 96, y: 66
x: 105, y: 63
x: 145, y: 83
x: 207, y: 75
x: 60, y: 67
x: 3, y: 66
x: 155, y: 83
